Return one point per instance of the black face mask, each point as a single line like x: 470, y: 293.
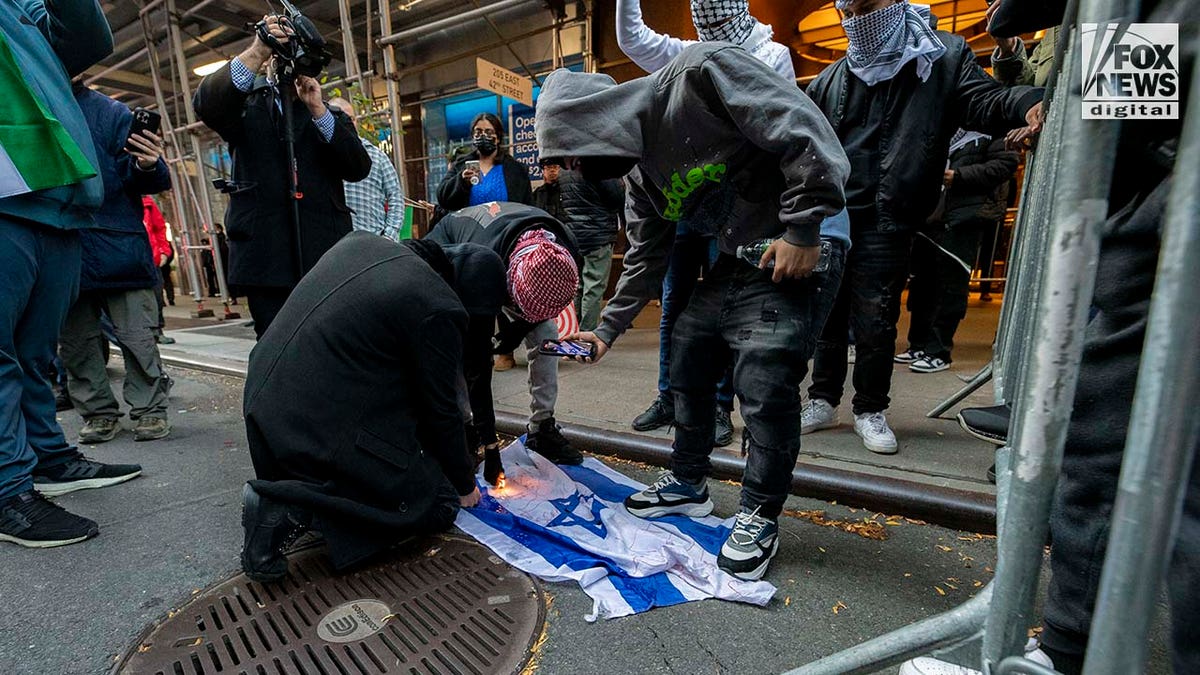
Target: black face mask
x: 486, y: 146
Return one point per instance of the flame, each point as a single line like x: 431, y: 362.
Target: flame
x: 500, y: 482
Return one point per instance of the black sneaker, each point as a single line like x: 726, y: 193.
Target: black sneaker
x: 660, y: 414
x: 750, y: 546
x: 723, y: 431
x: 986, y: 424
x: 62, y: 401
x: 81, y: 473
x: 549, y: 442
x: 270, y: 527
x: 670, y: 496
x: 32, y: 521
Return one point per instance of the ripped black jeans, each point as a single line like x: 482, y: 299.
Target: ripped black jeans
x: 868, y: 302
x: 770, y: 330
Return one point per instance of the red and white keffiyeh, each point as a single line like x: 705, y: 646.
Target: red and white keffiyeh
x: 542, y: 276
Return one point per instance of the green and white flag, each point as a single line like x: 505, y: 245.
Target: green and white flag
x: 36, y: 152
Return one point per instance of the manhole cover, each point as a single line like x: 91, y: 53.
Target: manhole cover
x: 446, y: 608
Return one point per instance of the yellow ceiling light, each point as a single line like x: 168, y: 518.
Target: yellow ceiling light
x: 209, y: 68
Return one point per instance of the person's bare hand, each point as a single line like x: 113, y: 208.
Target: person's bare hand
x: 146, y: 147
x: 791, y: 261
x: 278, y: 28
x: 1034, y: 117
x: 948, y: 177
x: 1007, y: 46
x: 162, y: 259
x: 467, y: 501
x: 309, y: 91
x: 588, y: 336
x: 1020, y: 138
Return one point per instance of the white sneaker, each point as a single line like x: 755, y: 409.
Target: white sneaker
x: 875, y: 433
x: 928, y: 364
x: 927, y: 665
x: 908, y: 356
x: 817, y: 415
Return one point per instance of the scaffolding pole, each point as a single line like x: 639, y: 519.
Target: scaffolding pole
x: 201, y: 184
x: 178, y: 171
x: 392, y: 80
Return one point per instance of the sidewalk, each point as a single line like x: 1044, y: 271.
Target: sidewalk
x: 610, y: 394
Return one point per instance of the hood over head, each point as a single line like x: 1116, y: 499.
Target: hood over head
x: 479, y: 278
x: 589, y: 115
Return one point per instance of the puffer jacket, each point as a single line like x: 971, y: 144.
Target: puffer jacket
x: 116, y: 252
x: 982, y: 172
x: 590, y: 209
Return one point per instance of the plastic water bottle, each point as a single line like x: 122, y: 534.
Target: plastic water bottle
x: 753, y: 252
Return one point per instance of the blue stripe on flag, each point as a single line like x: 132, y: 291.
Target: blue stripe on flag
x: 641, y: 593
x: 709, y: 537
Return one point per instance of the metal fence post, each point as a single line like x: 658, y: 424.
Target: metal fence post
x: 1046, y: 393
x: 1164, y: 431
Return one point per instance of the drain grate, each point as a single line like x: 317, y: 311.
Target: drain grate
x: 446, y: 608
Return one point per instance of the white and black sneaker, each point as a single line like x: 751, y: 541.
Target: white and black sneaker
x: 670, y: 496
x: 32, y: 521
x: 81, y: 473
x: 929, y: 364
x: 750, y: 546
x: 908, y: 355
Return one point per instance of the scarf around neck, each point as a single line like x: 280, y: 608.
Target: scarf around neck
x: 884, y: 41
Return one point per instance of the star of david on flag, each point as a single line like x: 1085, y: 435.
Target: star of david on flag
x: 569, y: 523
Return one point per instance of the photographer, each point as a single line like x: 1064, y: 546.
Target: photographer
x: 246, y: 110
x: 473, y: 180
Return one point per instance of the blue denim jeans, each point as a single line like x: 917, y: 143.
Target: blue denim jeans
x: 692, y: 254
x: 770, y: 331
x: 39, y: 272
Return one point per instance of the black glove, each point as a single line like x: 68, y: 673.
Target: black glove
x: 493, y: 469
x: 512, y: 333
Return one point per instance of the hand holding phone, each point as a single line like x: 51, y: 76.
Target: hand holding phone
x: 143, y: 141
x: 472, y: 171
x: 573, y: 349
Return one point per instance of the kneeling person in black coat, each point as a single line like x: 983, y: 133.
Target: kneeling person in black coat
x: 355, y: 403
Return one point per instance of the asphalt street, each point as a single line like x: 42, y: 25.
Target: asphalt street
x: 176, y: 530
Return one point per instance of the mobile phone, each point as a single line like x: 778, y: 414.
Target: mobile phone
x: 569, y: 348
x: 473, y: 165
x: 144, y: 120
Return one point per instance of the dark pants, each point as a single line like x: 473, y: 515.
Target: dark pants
x: 690, y: 256
x: 770, y: 332
x: 990, y: 241
x: 937, y: 290
x: 39, y: 275
x: 168, y: 283
x: 1079, y: 521
x: 477, y: 369
x: 265, y: 303
x: 868, y: 304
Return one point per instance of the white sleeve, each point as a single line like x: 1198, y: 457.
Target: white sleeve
x: 649, y: 50
x: 779, y: 58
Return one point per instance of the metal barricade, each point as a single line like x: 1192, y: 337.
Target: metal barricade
x: 1039, y: 361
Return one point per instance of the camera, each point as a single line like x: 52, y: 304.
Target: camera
x: 304, y: 53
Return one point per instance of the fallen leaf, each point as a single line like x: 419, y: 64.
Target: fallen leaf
x: 977, y: 584
x: 197, y: 643
x: 432, y: 552
x: 952, y: 587
x: 908, y: 574
x: 839, y: 607
x: 820, y: 549
x: 944, y: 548
x: 866, y: 528
x: 939, y: 590
x: 142, y: 649
x: 787, y: 601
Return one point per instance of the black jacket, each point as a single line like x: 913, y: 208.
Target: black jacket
x: 982, y: 172
x: 352, y: 398
x: 455, y: 193
x: 920, y: 118
x: 548, y: 198
x: 591, y: 209
x: 262, y: 240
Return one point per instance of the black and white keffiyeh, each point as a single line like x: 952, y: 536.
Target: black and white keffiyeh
x: 884, y: 41
x: 963, y: 138
x: 725, y: 20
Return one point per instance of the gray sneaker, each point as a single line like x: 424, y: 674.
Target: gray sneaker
x: 99, y: 430
x: 151, y: 429
x: 818, y: 415
x: 750, y: 546
x: 670, y: 496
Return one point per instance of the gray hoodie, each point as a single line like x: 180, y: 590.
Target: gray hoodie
x: 722, y: 143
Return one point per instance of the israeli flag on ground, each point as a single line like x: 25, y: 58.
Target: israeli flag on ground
x: 563, y: 523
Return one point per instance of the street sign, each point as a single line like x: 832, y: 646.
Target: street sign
x: 503, y: 81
